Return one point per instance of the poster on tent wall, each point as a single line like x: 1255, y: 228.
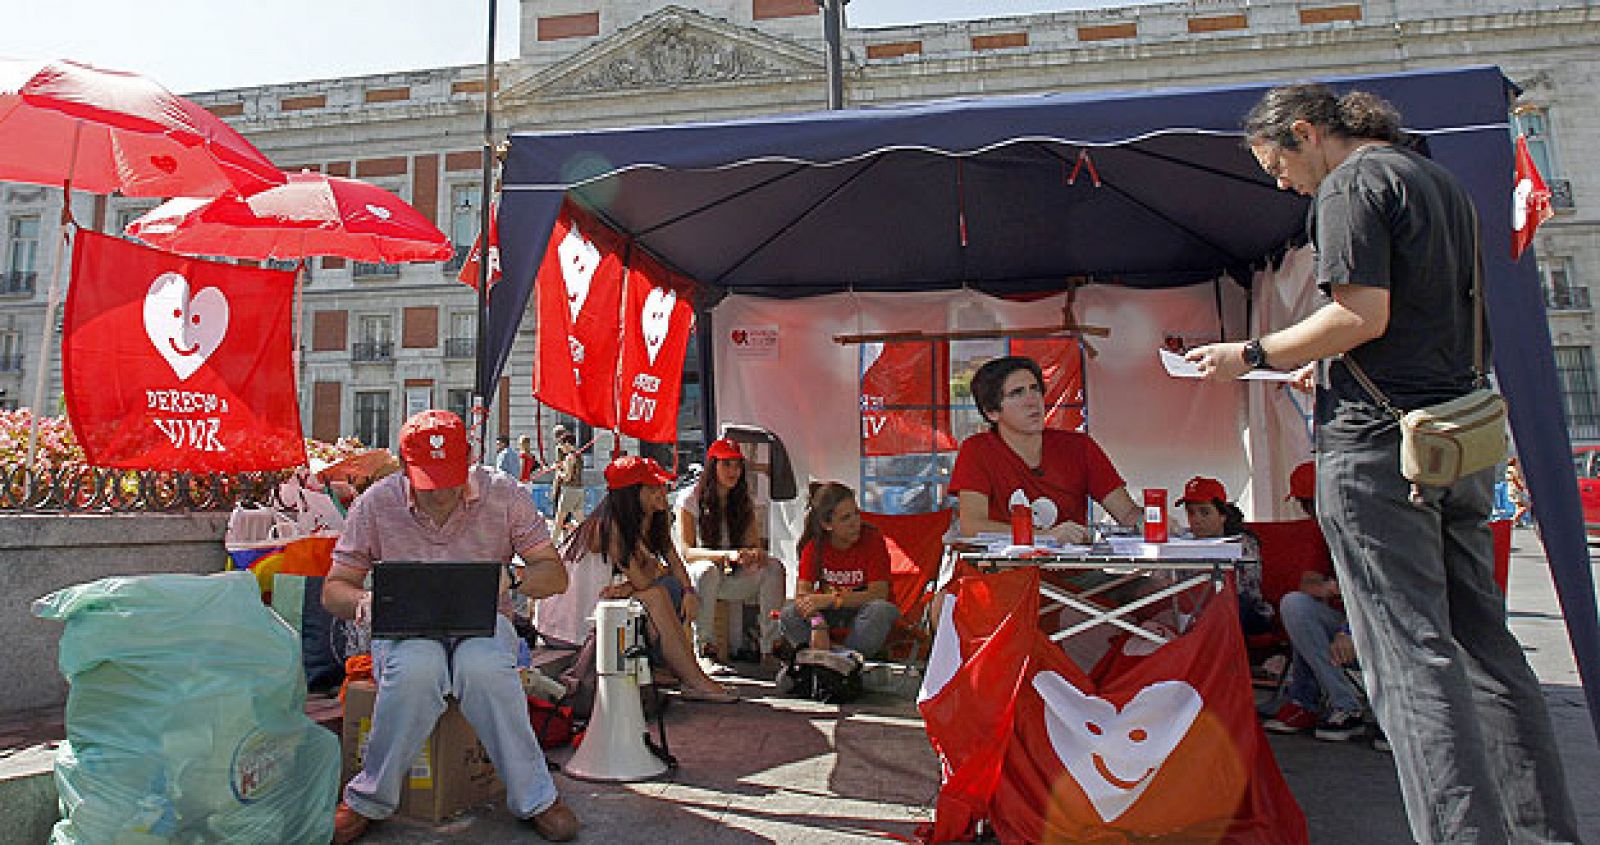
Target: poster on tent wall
x: 175, y: 363
x: 579, y: 296
x: 1164, y: 743
x: 657, y: 320
x: 905, y: 398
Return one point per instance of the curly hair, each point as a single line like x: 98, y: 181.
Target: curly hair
x: 1357, y: 114
x: 736, y: 510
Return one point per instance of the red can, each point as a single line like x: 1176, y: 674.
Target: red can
x: 1155, y: 514
x: 1021, y: 525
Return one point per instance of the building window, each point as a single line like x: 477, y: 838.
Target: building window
x: 22, y: 255
x: 372, y: 418
x: 1575, y: 368
x: 10, y: 352
x: 124, y: 217
x: 458, y: 400
x: 1533, y: 123
x: 916, y: 408
x: 1560, y: 293
x: 462, y: 341
x: 465, y: 202
x: 375, y: 338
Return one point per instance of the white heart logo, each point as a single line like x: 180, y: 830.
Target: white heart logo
x: 184, y: 330
x: 437, y: 440
x: 1044, y: 508
x: 655, y: 320
x: 1115, y: 755
x: 379, y: 211
x: 1519, y: 204
x: 579, y: 259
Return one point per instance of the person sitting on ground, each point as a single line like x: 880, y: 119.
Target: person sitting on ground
x: 1319, y: 634
x: 721, y: 543
x: 1210, y: 514
x: 441, y: 509
x: 1057, y: 471
x: 631, y: 531
x: 844, y: 574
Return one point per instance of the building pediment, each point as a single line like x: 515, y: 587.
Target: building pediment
x: 672, y: 48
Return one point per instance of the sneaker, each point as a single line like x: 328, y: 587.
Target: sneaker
x: 1380, y: 741
x: 1291, y: 719
x: 1341, y: 726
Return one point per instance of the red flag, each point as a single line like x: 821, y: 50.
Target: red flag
x: 579, y: 294
x: 1530, y: 201
x: 1164, y: 745
x: 915, y: 374
x: 469, y: 268
x: 657, y: 322
x: 175, y: 363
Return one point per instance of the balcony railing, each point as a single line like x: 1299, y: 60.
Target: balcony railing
x: 11, y: 363
x: 460, y: 347
x: 18, y: 281
x: 372, y: 350
x: 369, y: 270
x: 1566, y: 299
x: 1561, y: 195
x: 456, y: 261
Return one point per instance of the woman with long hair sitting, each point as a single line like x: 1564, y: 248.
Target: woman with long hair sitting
x: 631, y: 530
x: 844, y: 574
x: 722, y: 545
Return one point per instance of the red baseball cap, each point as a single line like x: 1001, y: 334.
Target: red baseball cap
x: 629, y: 470
x: 724, y: 450
x: 434, y: 446
x: 1202, y: 490
x: 1303, y: 482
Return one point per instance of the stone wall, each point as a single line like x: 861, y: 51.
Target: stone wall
x: 43, y: 553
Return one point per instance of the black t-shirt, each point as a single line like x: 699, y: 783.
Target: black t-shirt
x: 1389, y: 218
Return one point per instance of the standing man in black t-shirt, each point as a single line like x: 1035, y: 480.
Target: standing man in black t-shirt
x: 1395, y: 236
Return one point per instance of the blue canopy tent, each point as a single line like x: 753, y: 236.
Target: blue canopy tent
x: 995, y: 194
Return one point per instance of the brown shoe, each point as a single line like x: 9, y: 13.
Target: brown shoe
x: 348, y: 825
x: 557, y: 823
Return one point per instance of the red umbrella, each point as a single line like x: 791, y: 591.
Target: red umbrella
x: 107, y: 131
x: 312, y: 214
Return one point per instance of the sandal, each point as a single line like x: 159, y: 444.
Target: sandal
x: 725, y: 696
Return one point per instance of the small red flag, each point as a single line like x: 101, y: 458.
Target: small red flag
x: 578, y: 299
x: 469, y: 268
x: 174, y: 363
x: 1530, y: 201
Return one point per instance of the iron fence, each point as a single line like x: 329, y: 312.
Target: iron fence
x: 460, y: 347
x: 18, y: 281
x: 372, y: 350
x: 78, y: 488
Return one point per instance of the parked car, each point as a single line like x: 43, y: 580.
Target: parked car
x: 1586, y: 462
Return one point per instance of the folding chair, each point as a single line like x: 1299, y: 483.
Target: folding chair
x: 1288, y: 550
x: 916, y: 551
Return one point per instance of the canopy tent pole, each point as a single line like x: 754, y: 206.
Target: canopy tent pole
x: 833, y: 33
x: 52, y: 299
x: 480, y: 402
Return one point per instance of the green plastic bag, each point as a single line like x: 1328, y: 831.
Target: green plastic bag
x: 186, y: 718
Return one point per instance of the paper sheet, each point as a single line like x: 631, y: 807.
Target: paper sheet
x: 1178, y: 366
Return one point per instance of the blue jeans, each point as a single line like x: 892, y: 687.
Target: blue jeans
x: 1472, y: 741
x: 869, y: 625
x: 1311, y: 625
x: 413, y: 679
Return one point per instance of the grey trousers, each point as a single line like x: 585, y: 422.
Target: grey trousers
x: 870, y: 625
x: 1472, y: 740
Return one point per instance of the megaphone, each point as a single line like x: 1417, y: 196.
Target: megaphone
x: 613, y: 747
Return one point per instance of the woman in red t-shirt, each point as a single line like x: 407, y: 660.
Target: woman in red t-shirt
x: 1056, y: 471
x: 844, y: 575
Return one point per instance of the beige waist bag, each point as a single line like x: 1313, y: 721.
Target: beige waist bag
x: 1442, y: 443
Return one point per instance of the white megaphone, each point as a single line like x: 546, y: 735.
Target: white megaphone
x: 613, y: 747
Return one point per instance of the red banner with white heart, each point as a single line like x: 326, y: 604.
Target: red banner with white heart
x: 579, y: 297
x: 174, y: 363
x: 905, y: 398
x: 1164, y: 744
x: 657, y: 322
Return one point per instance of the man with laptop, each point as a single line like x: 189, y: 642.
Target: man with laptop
x: 427, y: 643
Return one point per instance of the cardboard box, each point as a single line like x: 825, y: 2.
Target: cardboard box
x: 452, y: 772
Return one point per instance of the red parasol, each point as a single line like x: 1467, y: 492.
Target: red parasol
x: 312, y: 214
x: 107, y: 131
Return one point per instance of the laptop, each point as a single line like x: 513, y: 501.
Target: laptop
x: 435, y: 599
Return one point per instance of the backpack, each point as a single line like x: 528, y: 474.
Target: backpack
x: 831, y: 677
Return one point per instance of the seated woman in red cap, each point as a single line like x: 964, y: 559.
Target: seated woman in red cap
x: 631, y: 531
x: 1055, y: 471
x: 1210, y: 514
x: 722, y: 545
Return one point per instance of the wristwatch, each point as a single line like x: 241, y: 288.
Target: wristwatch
x: 1254, y: 355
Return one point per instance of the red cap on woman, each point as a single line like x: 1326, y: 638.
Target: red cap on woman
x: 629, y: 470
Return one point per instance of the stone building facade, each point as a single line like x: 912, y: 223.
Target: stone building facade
x: 382, y: 340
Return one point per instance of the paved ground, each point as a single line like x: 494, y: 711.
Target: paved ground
x: 783, y: 771
x: 777, y: 770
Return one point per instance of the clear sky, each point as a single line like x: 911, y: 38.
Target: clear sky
x: 203, y: 45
